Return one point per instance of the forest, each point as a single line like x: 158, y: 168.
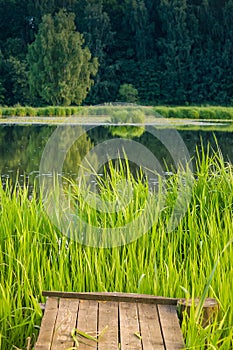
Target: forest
x: 170, y: 52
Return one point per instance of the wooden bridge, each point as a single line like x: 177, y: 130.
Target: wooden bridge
x: 128, y: 321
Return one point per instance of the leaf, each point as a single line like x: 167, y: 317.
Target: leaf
x: 138, y: 335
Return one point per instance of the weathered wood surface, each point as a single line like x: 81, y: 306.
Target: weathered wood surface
x: 108, y: 315
x: 209, y: 309
x: 131, y: 325
x: 150, y: 327
x: 113, y: 296
x: 65, y: 322
x: 172, y: 335
x: 44, y: 341
x: 87, y: 322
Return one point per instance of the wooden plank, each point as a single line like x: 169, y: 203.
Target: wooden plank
x: 150, y: 327
x: 66, y: 321
x: 129, y: 325
x: 44, y: 340
x: 108, y: 316
x: 113, y: 296
x: 87, y: 322
x: 172, y: 334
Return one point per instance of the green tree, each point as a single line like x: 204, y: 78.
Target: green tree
x: 2, y: 90
x: 175, y: 45
x: 136, y: 20
x: 15, y: 81
x: 60, y: 68
x: 94, y: 23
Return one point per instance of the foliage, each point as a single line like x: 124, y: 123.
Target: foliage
x: 173, y: 52
x: 195, y: 112
x: 128, y: 116
x: 125, y: 114
x: 42, y: 111
x: 60, y: 68
x: 95, y: 25
x: 127, y: 131
x: 128, y: 93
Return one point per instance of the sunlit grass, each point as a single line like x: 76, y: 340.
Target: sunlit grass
x: 188, y: 262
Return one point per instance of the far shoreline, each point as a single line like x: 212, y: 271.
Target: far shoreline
x: 224, y: 125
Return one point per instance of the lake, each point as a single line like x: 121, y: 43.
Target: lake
x: 22, y: 147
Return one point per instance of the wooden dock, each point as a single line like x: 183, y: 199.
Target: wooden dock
x: 129, y: 321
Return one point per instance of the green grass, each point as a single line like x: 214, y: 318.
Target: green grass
x: 195, y: 112
x: 184, y: 112
x: 194, y: 260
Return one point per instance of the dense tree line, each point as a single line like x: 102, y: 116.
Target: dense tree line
x: 170, y: 51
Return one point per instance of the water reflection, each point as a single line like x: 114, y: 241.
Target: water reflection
x: 21, y: 147
x: 126, y: 131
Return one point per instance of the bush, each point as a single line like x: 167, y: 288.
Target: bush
x: 119, y: 117
x: 20, y: 112
x: 9, y: 112
x: 224, y: 113
x: 40, y: 112
x: 31, y: 112
x: 192, y: 113
x: 128, y: 93
x: 207, y: 113
x: 180, y: 112
x: 75, y: 110
x: 130, y: 116
x: 136, y: 116
x: 172, y: 112
x: 161, y: 112
x: 68, y: 111
x: 49, y: 111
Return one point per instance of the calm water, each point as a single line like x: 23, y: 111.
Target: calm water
x: 21, y: 147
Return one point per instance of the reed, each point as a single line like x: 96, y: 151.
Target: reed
x: 195, y: 259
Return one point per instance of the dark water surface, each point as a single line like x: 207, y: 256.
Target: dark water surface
x: 21, y: 147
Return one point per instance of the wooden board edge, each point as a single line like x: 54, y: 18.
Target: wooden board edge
x: 113, y: 296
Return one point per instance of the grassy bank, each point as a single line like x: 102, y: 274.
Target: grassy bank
x: 195, y: 259
x: 191, y: 112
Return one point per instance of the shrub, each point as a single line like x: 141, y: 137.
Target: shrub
x: 62, y: 111
x: 40, y: 112
x: 68, y: 111
x: 172, y: 112
x: 20, y: 112
x: 119, y: 117
x: 59, y: 111
x: 131, y: 116
x: 8, y: 111
x: 207, y: 113
x: 31, y: 112
x: 192, y: 113
x: 128, y: 93
x: 224, y: 113
x: 74, y: 110
x: 161, y: 112
x: 136, y: 116
x: 180, y: 112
